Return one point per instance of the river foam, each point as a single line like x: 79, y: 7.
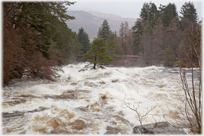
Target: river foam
x: 91, y: 101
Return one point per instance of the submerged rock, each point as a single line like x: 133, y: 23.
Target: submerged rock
x: 158, y: 128
x: 112, y: 130
x: 142, y: 130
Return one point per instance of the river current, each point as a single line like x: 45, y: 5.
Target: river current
x: 92, y: 101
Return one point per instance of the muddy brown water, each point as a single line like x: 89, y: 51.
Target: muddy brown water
x: 89, y: 102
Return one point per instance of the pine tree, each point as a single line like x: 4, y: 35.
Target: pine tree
x: 97, y: 53
x: 104, y: 31
x: 153, y: 12
x: 188, y: 11
x: 149, y: 12
x: 137, y: 34
x: 66, y: 42
x: 42, y: 16
x: 83, y: 38
x: 161, y: 9
x: 144, y: 14
x: 169, y: 14
x: 32, y: 26
x: 113, y: 48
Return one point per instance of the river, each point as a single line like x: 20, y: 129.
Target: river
x: 91, y: 101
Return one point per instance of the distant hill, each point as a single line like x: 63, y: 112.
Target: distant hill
x: 92, y: 20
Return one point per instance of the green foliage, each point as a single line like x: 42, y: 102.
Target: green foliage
x: 109, y: 37
x: 168, y: 57
x: 153, y: 12
x: 42, y: 16
x: 97, y: 53
x: 144, y: 14
x: 149, y: 12
x: 168, y: 14
x: 83, y: 38
x: 35, y: 36
x: 176, y: 64
x: 113, y: 48
x: 188, y: 11
x: 200, y: 131
x: 137, y: 34
x: 66, y: 42
x: 104, y: 31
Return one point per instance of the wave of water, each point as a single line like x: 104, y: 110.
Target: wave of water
x: 89, y: 102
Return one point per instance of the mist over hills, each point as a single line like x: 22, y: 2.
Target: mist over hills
x: 92, y: 20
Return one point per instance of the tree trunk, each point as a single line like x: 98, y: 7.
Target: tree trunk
x: 94, y: 67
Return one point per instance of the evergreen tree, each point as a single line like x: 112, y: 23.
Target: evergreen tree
x: 169, y: 14
x: 42, y: 17
x: 66, y: 42
x: 144, y: 14
x: 97, y: 53
x: 104, y: 31
x: 153, y: 12
x: 83, y: 38
x: 32, y: 25
x: 174, y: 11
x: 188, y: 11
x: 161, y: 9
x: 113, y: 48
x: 149, y: 12
x: 137, y: 34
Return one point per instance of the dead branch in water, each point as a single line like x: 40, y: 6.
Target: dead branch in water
x: 140, y: 116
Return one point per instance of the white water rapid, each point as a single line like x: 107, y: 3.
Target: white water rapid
x: 89, y: 102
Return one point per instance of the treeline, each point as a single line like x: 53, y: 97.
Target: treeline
x: 160, y: 33
x: 35, y: 37
x: 159, y: 36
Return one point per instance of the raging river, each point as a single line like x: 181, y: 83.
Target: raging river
x: 91, y: 101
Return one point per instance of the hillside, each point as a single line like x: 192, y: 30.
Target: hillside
x: 91, y: 21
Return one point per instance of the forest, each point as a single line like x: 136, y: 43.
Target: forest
x: 154, y: 66
x: 37, y: 41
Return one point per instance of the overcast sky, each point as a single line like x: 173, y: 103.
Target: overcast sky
x: 127, y: 8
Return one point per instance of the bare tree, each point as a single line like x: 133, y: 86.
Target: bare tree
x: 191, y: 57
x: 122, y: 36
x: 139, y: 115
x: 157, y: 42
x: 173, y: 36
x: 126, y: 38
x: 130, y: 41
